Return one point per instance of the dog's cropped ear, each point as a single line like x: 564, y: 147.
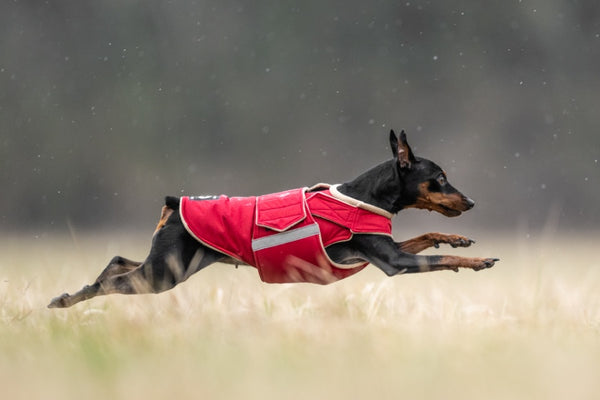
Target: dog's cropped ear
x: 394, y: 143
x: 402, y: 150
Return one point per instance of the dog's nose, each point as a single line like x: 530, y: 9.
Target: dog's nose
x: 470, y: 203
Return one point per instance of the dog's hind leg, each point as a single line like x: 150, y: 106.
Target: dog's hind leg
x: 117, y: 266
x: 120, y: 265
x: 149, y: 277
x: 174, y: 256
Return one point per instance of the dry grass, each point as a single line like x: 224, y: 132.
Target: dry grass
x: 527, y: 329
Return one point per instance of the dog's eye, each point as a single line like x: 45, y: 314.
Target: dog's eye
x: 441, y: 180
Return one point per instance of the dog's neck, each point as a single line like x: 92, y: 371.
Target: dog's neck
x: 380, y: 186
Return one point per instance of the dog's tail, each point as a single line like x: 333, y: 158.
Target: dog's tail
x: 171, y: 205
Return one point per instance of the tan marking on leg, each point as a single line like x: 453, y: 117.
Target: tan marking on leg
x: 432, y: 239
x: 474, y: 263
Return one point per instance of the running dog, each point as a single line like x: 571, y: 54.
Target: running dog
x: 318, y: 235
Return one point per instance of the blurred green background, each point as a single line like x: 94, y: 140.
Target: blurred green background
x: 107, y: 106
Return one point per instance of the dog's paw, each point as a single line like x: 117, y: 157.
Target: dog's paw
x: 461, y: 241
x: 61, y: 301
x: 452, y: 240
x: 485, y: 263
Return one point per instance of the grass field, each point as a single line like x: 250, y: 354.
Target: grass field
x: 527, y: 329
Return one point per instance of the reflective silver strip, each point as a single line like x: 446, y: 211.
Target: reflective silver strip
x: 285, y: 237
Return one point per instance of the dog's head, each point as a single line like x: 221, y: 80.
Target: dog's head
x: 425, y: 184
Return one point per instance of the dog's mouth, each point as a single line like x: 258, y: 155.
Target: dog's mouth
x: 449, y: 212
x: 449, y: 205
x: 452, y: 209
x: 442, y: 209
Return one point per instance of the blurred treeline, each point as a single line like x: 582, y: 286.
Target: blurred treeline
x: 106, y: 106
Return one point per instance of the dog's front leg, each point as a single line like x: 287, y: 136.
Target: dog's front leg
x: 383, y: 252
x: 433, y: 239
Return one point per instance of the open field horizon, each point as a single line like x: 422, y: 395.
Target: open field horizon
x: 528, y: 328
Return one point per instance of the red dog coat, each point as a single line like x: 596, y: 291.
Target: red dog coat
x: 284, y: 235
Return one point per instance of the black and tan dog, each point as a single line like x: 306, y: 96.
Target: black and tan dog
x: 405, y: 181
